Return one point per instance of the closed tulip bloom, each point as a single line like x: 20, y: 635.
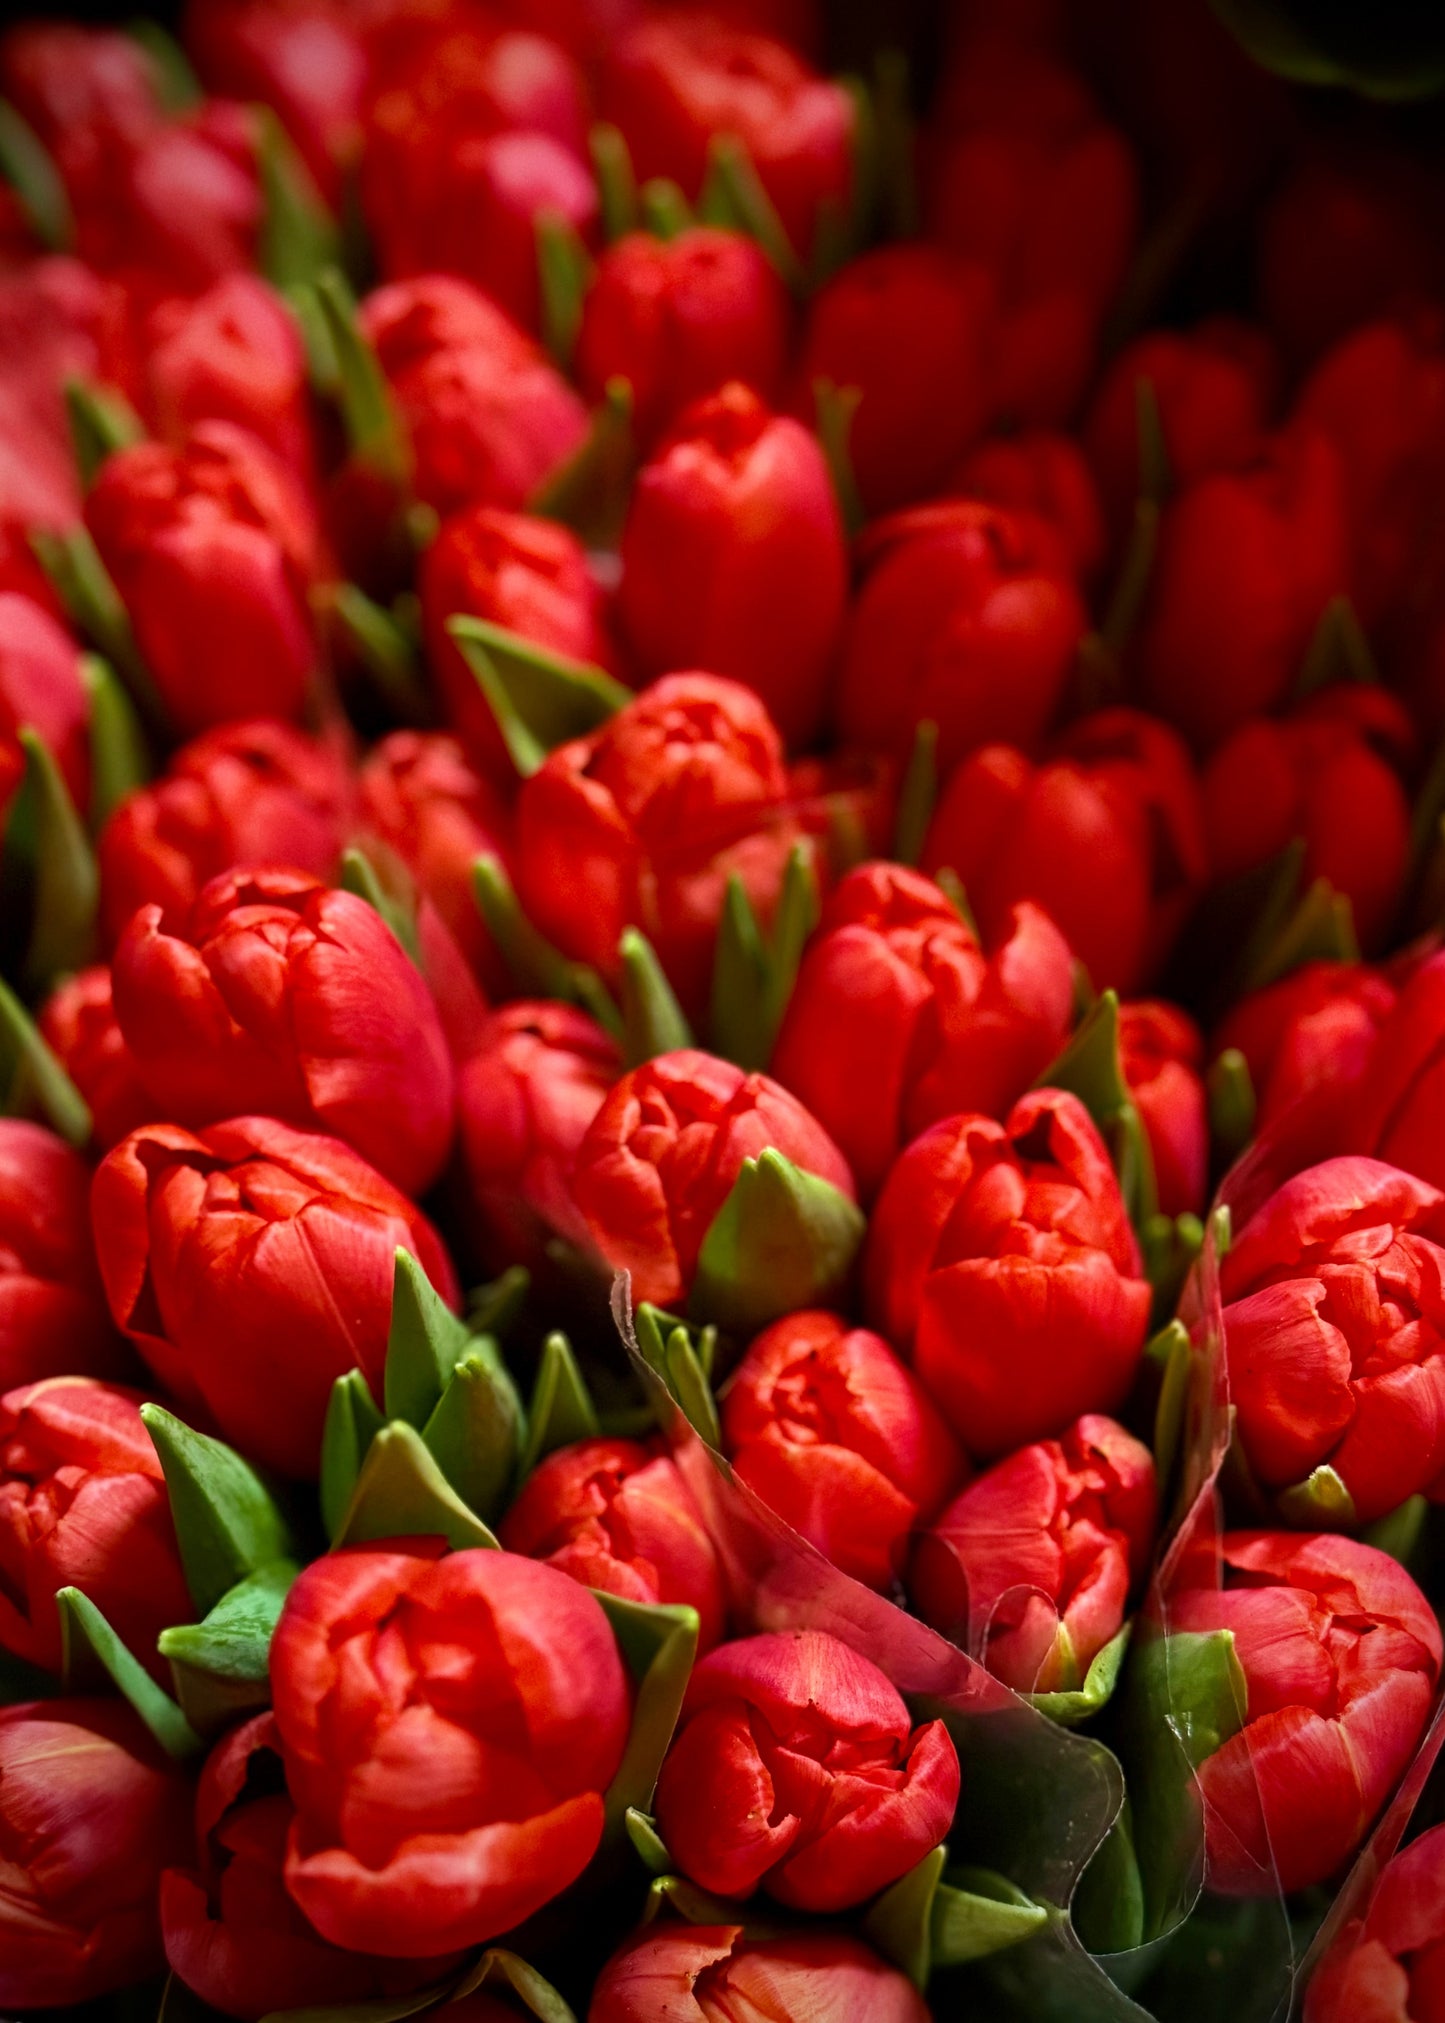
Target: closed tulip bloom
x: 662, y: 1154
x: 618, y: 1516
x: 1389, y: 1965
x: 213, y: 548
x: 1031, y: 1567
x: 253, y: 1263
x: 968, y: 617
x: 449, y: 1726
x: 81, y: 89
x: 829, y: 1428
x: 181, y: 206
x: 1340, y: 1654
x: 1001, y: 1262
x: 796, y: 1767
x: 285, y: 999
x: 1246, y: 563
x: 41, y: 690
x: 91, y: 1812
x: 526, y: 574
x: 1334, y: 1309
x: 237, y: 797
x: 233, y: 1934
x: 1402, y: 1089
x: 53, y: 1320
x: 83, y: 1504
x: 675, y: 80
x: 1161, y: 1051
x: 525, y: 1098
x: 911, y: 328
x: 78, y: 1024
x: 307, y: 62
x: 935, y: 1025
x: 233, y: 355
x: 671, y: 1973
x: 1039, y: 471
x: 1311, y: 1034
x: 679, y: 318
x: 738, y: 504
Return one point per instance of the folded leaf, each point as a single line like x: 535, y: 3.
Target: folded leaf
x: 228, y: 1525
x: 92, y: 1652
x: 402, y: 1493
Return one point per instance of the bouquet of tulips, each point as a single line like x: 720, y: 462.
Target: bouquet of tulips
x: 722, y: 1015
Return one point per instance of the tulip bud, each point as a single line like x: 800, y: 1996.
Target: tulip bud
x: 1390, y: 1962
x: 1402, y: 1084
x: 52, y: 1310
x: 179, y: 206
x: 78, y: 1024
x: 79, y: 88
x: 524, y: 1101
x: 232, y: 1933
x: 1161, y: 1052
x: 253, y: 1263
x: 1310, y: 1034
x: 232, y: 355
x: 1121, y: 798
x: 530, y: 576
x: 1045, y: 474
x: 241, y: 796
x: 825, y: 1424
x: 738, y: 504
x: 679, y: 318
x: 511, y: 1670
x: 256, y: 1007
x: 1001, y: 1262
x: 795, y: 1767
x: 90, y: 1814
x: 41, y: 690
x: 1338, y: 1653
x: 663, y: 1156
x: 619, y: 1517
x: 1247, y: 562
x: 912, y: 329
x: 83, y: 1504
x: 975, y: 615
x: 672, y: 1973
x: 1030, y: 1568
x: 934, y: 1025
x: 674, y: 81
x: 214, y: 551
x: 308, y: 64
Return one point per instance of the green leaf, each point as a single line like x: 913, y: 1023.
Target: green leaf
x: 492, y: 1308
x: 834, y: 409
x: 475, y: 1432
x: 683, y: 1358
x: 918, y: 795
x: 539, y: 698
x: 783, y: 1240
x: 1171, y: 1354
x: 1232, y: 1107
x: 91, y: 1650
x: 1399, y: 1533
x: 373, y: 430
x: 654, y: 1329
x: 425, y: 1343
x: 733, y: 197
x: 1108, y: 1905
x: 589, y: 491
x: 46, y: 840
x: 647, y: 1842
x: 386, y: 652
x: 900, y: 1923
x: 1320, y: 929
x: 82, y: 583
x: 102, y: 421
x: 538, y: 969
x: 401, y: 1492
x: 227, y: 1523
x: 359, y: 876
x: 924, y: 1922
x: 1091, y: 1068
x: 653, y: 1021
x: 561, y: 1410
x: 220, y: 1666
x: 799, y: 906
x: 177, y: 86
x: 658, y: 1642
x: 616, y: 184
x: 298, y: 240
x: 500, y: 1968
x: 119, y: 761
x: 1070, y: 1708
x: 1338, y: 651
x: 564, y: 273
x: 666, y: 212
x: 754, y: 973
x: 33, y: 1080
x: 1169, y: 1246
x: 1320, y: 1503
x: 894, y: 144
x: 676, y: 1894
x: 352, y: 1423
x: 1391, y: 54
x: 1155, y: 480
x: 26, y: 164
x: 1131, y: 588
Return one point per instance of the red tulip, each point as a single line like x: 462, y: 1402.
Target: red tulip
x: 1246, y: 564
x: 1311, y: 1034
x: 214, y: 550
x: 675, y: 80
x: 307, y: 62
x: 1107, y: 837
x: 524, y: 1101
x: 178, y: 207
x: 449, y: 1727
x: 283, y: 999
x: 1402, y: 1087
x: 974, y: 614
x: 241, y: 796
x: 1039, y: 472
x: 1031, y: 1567
x: 41, y: 690
x: 911, y: 328
x: 78, y: 1024
x: 617, y: 1516
x: 83, y: 1504
x: 830, y: 1429
x: 52, y: 1311
x: 662, y: 1154
x: 671, y: 1973
x: 679, y: 318
x: 233, y: 355
x: 1389, y: 1965
x: 233, y: 1935
x: 529, y: 575
x: 796, y: 1767
x: 1340, y: 1653
x: 90, y: 1814
x: 1161, y: 1051
x: 934, y: 1024
x: 253, y: 1264
x: 81, y: 89
x: 1001, y: 1262
x: 738, y: 504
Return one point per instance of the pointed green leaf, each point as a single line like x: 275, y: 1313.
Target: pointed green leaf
x: 475, y: 1433
x: 32, y: 1081
x: 1091, y: 1068
x: 83, y: 584
x: 425, y: 1343
x: 46, y: 836
x: 739, y: 978
x: 26, y: 164
x: 561, y: 1410
x: 834, y: 408
x: 1338, y: 651
x: 1126, y: 603
x: 647, y: 1842
x: 1320, y: 929
x: 373, y: 430
x: 1070, y: 1708
x: 658, y: 1642
x: 499, y: 1968
x: 784, y: 1239
x: 359, y: 876
x: 976, y: 1913
x: 654, y: 1330
x: 540, y: 699
x: 1171, y: 1354
x: 683, y: 1374
x: 119, y: 761
x: 402, y: 1493
x: 900, y: 1923
x: 1231, y: 1103
x: 733, y: 196
x: 1399, y: 1533
x: 1108, y: 1905
x: 652, y: 1019
x: 951, y: 886
x: 177, y: 86
x: 918, y: 794
x: 298, y: 239
x: 387, y: 654
x: 564, y: 273
x: 1154, y: 475
x: 799, y: 906
x: 1169, y: 1245
x: 616, y: 184
x: 102, y: 421
x: 492, y: 1308
x: 221, y: 1666
x: 666, y: 212
x: 352, y: 1423
x: 538, y: 969
x: 227, y: 1523
x: 676, y: 1894
x: 1320, y: 1503
x: 91, y: 1650
x: 589, y: 491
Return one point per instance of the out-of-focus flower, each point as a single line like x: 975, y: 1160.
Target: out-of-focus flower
x: 1161, y: 1052
x: 233, y: 354
x: 52, y: 1310
x: 1402, y: 1089
x: 41, y: 690
x: 673, y: 1973
x: 1038, y: 471
x: 78, y: 1024
x: 1390, y: 1963
x: 1311, y: 1034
